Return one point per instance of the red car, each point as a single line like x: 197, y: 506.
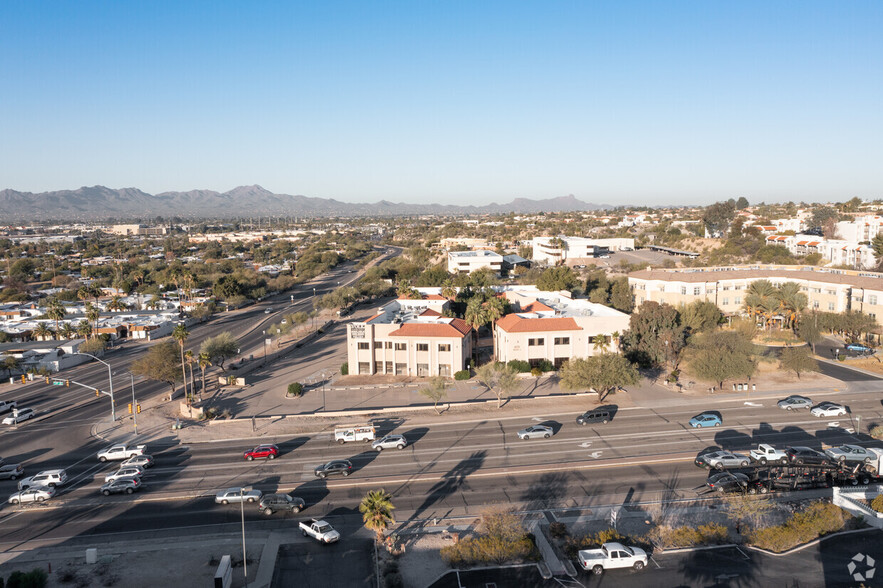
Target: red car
x: 268, y: 451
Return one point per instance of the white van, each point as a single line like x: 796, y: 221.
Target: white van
x: 346, y: 433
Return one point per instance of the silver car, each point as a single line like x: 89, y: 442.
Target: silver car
x: 828, y: 409
x: 726, y: 459
x: 794, y: 402
x: 853, y: 453
x: 390, y: 441
x: 535, y: 431
x: 11, y: 471
x: 131, y: 471
x: 36, y: 494
x: 233, y: 495
x: 142, y: 461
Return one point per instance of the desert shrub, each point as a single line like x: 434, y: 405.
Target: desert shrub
x: 877, y: 431
x: 819, y: 519
x: 345, y: 369
x: 503, y: 540
x: 671, y: 537
x: 536, y: 372
x: 545, y: 365
x: 574, y: 544
x: 36, y: 578
x: 877, y: 503
x: 462, y: 375
x: 557, y: 529
x: 295, y: 389
x: 521, y: 367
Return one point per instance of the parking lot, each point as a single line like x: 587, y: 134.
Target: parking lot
x: 310, y: 564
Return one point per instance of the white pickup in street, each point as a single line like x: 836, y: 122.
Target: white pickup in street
x: 121, y: 451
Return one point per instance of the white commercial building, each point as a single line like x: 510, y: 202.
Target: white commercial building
x: 466, y: 262
x: 553, y: 250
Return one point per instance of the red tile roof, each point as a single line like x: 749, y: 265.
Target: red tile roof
x: 430, y: 312
x: 536, y: 306
x: 453, y: 328
x: 512, y: 323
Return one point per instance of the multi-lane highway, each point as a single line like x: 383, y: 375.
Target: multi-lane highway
x: 448, y: 467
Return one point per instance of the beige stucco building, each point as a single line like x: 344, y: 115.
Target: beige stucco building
x: 410, y: 338
x: 827, y: 290
x: 555, y: 327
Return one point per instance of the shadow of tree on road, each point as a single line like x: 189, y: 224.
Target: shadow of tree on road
x: 451, y: 482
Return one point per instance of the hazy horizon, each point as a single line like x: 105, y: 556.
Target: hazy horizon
x: 681, y: 103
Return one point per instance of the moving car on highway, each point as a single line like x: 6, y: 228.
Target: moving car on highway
x: 237, y: 494
x: 142, y: 461
x: 49, y: 478
x: 268, y: 451
x: 795, y: 402
x: 390, y: 441
x: 828, y: 409
x: 344, y: 467
x: 706, y: 419
x: 19, y: 415
x: 534, y: 431
x: 125, y: 472
x: 36, y: 494
x: 272, y: 503
x: 11, y: 471
x: 120, y: 485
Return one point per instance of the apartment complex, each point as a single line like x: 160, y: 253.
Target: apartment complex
x: 410, y: 337
x: 554, y: 250
x: 827, y: 290
x: 833, y: 251
x: 554, y: 327
x: 466, y: 262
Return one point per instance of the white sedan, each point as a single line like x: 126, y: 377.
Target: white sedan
x: 37, y: 494
x: 232, y: 495
x: 533, y: 431
x: 828, y: 409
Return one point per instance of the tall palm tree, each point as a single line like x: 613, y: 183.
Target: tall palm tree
x: 84, y: 329
x: 376, y: 508
x: 56, y: 311
x: 599, y: 342
x: 180, y: 334
x: 204, y: 361
x: 92, y: 313
x: 791, y: 301
x: 493, y: 309
x: 475, y: 314
x: 760, y: 300
x: 116, y: 303
x: 190, y: 360
x: 448, y: 290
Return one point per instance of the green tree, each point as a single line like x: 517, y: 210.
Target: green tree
x: 700, y: 316
x: 560, y: 277
x: 808, y: 329
x: 220, y: 348
x: 66, y: 331
x: 92, y: 313
x: 621, y: 295
x: 499, y: 378
x: 204, y: 361
x: 56, y: 311
x: 10, y: 364
x: 655, y: 336
x: 797, y: 360
x: 436, y: 390
x: 42, y: 332
x: 376, y: 508
x: 116, y: 304
x: 718, y: 216
x: 761, y: 300
x: 791, y: 301
x: 604, y: 373
x: 160, y: 364
x: 741, y: 203
x: 722, y: 355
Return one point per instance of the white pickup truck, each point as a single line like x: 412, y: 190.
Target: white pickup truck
x: 768, y: 454
x: 612, y: 556
x: 319, y: 530
x: 6, y: 405
x: 120, y: 451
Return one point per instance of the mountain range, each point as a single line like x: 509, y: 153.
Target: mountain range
x: 101, y: 203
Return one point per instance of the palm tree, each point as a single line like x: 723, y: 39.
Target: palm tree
x: 448, y: 290
x: 180, y: 334
x: 10, y: 363
x: 56, y: 311
x: 190, y: 360
x: 476, y: 314
x: 203, y: 360
x: 760, y: 300
x: 493, y: 309
x: 791, y: 302
x: 116, y: 303
x: 65, y: 331
x: 84, y: 329
x: 599, y: 342
x: 42, y: 332
x: 92, y: 313
x: 376, y: 508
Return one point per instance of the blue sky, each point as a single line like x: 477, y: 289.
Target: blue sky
x: 447, y: 101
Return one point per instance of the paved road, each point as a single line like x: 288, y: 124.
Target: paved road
x: 449, y: 467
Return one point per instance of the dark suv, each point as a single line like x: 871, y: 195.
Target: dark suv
x: 344, y: 467
x: 596, y: 415
x: 806, y: 455
x: 271, y: 503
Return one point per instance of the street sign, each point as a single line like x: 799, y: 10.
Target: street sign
x: 58, y: 382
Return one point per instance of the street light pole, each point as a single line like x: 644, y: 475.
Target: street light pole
x: 265, y: 346
x: 134, y: 406
x: 113, y: 416
x: 324, y: 407
x: 244, y: 558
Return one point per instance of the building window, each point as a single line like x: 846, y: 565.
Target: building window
x: 401, y: 369
x: 388, y: 368
x: 444, y: 370
x: 364, y: 367
x: 725, y: 288
x: 737, y: 300
x: 830, y: 306
x: 815, y: 303
x: 422, y: 346
x: 422, y: 370
x: 364, y: 346
x: 726, y: 301
x: 696, y: 291
x: 536, y: 342
x: 401, y: 346
x: 444, y: 346
x: 683, y: 289
x: 562, y: 340
x: 387, y: 344
x: 872, y: 299
x: 872, y: 315
x: 737, y: 288
x: 378, y: 367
